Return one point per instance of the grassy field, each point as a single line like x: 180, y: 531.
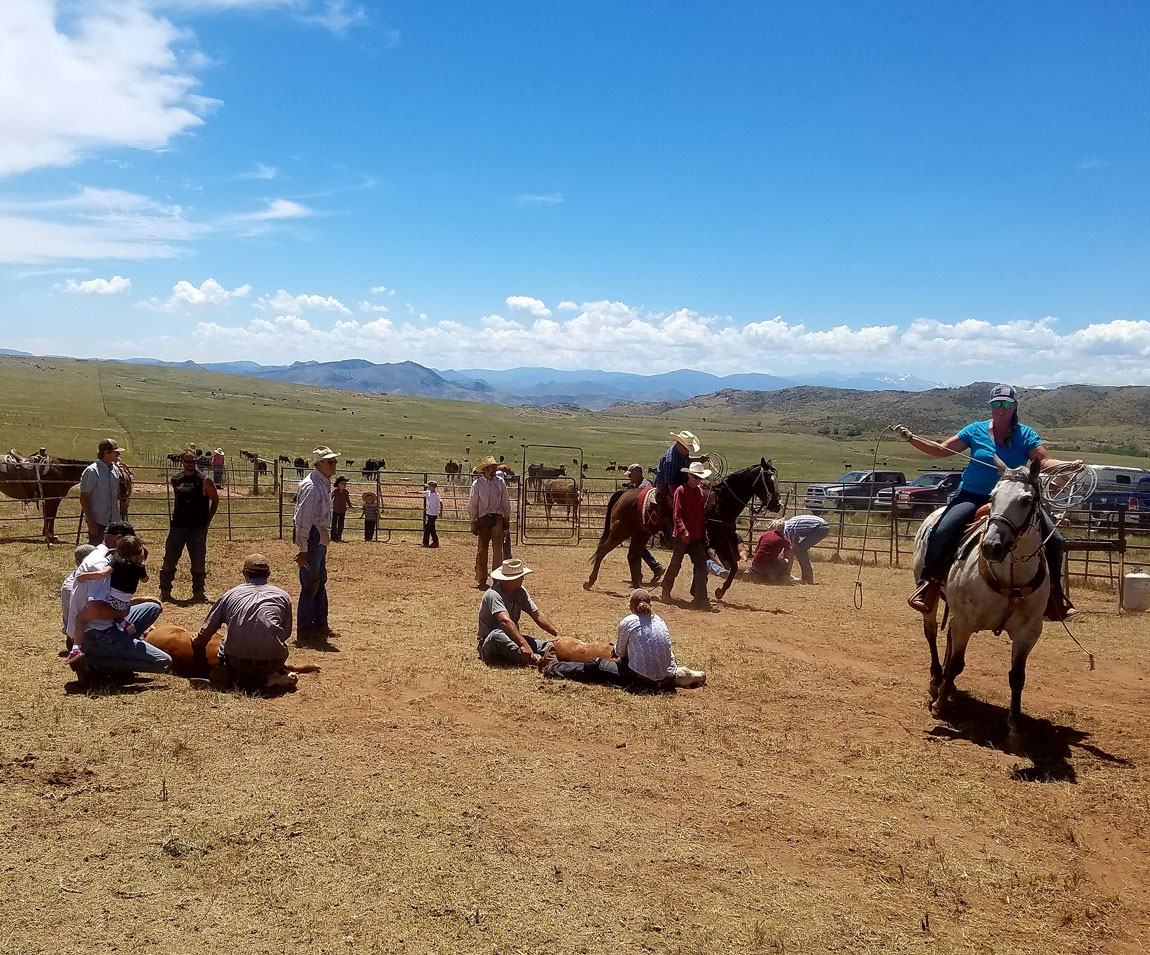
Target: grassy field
x: 68, y: 406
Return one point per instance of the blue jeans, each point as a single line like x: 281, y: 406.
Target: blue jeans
x: 497, y: 649
x: 801, y: 550
x: 337, y: 525
x: 113, y: 651
x: 609, y: 673
x: 196, y: 540
x: 312, y: 612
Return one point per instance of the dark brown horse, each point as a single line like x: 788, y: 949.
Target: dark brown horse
x: 48, y: 482
x: 723, y: 503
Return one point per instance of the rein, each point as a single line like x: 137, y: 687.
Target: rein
x: 1013, y: 592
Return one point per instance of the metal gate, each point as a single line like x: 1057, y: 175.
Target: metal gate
x: 551, y: 494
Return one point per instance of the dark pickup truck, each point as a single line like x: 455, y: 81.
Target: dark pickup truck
x: 851, y: 492
x: 1104, y: 504
x: 921, y: 496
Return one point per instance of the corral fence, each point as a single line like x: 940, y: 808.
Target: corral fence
x: 257, y: 504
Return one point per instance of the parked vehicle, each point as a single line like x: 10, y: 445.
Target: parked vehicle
x: 921, y: 496
x: 1104, y: 504
x: 853, y: 491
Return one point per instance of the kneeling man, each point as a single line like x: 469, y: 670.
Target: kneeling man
x: 258, y: 616
x: 501, y: 642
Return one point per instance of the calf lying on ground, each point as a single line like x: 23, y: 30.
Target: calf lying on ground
x: 189, y: 662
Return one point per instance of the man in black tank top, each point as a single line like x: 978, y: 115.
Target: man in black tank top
x: 195, y: 500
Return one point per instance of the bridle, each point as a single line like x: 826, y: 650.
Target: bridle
x: 760, y: 479
x: 1016, y: 530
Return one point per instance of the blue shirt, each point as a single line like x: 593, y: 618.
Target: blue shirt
x: 670, y: 470
x: 980, y: 478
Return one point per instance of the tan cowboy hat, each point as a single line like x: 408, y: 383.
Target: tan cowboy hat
x: 699, y: 469
x: 487, y: 462
x: 218, y: 451
x: 511, y: 570
x: 367, y: 496
x: 323, y: 454
x: 688, y: 440
x: 634, y: 467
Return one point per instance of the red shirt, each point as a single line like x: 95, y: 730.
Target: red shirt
x: 340, y: 499
x: 770, y: 548
x: 689, y: 511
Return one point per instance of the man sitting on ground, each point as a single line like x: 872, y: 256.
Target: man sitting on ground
x: 258, y: 616
x: 771, y: 563
x: 501, y: 642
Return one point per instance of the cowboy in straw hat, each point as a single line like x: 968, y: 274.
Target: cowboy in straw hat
x: 489, y: 507
x: 312, y: 535
x: 370, y: 514
x: 690, y: 536
x: 669, y: 474
x: 432, y: 505
x: 500, y: 642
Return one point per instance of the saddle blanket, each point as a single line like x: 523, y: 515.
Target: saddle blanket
x: 648, y: 509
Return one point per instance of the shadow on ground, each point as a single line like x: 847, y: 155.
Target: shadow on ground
x: 1048, y: 745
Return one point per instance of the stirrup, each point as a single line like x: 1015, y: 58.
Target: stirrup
x: 1058, y: 606
x: 925, y: 597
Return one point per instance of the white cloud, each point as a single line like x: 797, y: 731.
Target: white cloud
x: 116, y: 285
x: 369, y: 307
x: 382, y: 290
x: 276, y: 209
x: 567, y: 307
x: 547, y: 199
x: 284, y: 303
x: 525, y: 305
x: 208, y: 294
x: 338, y: 16
x: 622, y: 338
x: 261, y: 171
x: 107, y: 78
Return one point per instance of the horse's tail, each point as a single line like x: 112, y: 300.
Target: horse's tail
x: 610, y: 507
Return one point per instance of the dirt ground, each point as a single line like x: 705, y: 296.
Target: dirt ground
x: 408, y: 799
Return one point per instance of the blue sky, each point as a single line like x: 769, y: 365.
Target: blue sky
x: 957, y: 191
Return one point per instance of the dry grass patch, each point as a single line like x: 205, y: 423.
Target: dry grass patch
x: 406, y: 798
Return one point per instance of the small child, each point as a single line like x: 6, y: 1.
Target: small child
x: 370, y: 515
x: 125, y: 571
x: 340, y: 502
x: 432, y: 506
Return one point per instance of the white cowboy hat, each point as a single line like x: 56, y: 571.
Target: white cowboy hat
x: 687, y: 439
x: 699, y: 469
x: 323, y: 454
x: 511, y: 570
x: 218, y: 451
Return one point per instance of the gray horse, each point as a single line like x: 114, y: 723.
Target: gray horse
x: 999, y: 581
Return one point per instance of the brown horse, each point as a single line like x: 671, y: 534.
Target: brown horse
x: 723, y: 503
x: 47, y: 482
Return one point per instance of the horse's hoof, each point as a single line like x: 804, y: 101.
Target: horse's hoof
x: 586, y: 585
x: 937, y: 709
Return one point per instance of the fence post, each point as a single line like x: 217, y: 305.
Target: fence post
x: 228, y: 506
x: 839, y: 545
x: 280, y: 507
x: 379, y: 501
x: 893, y: 530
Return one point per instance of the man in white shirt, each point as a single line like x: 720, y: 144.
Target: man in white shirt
x: 489, y: 507
x: 312, y: 522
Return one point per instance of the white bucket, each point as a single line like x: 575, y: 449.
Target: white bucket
x: 1136, y: 590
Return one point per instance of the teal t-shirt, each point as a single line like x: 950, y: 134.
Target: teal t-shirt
x: 981, y: 474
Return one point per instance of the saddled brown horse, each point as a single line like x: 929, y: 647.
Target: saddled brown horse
x: 47, y: 483
x: 723, y: 503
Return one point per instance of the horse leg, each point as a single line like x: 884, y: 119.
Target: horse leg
x: 51, y: 506
x: 930, y: 629
x: 619, y: 533
x: 728, y: 552
x: 1022, y: 643
x: 956, y: 641
x: 635, y: 558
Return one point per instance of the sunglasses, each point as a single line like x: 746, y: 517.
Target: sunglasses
x: 1002, y: 404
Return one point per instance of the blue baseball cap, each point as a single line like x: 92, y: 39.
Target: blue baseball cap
x: 1003, y: 393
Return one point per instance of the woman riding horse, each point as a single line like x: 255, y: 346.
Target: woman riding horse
x: 1014, y: 444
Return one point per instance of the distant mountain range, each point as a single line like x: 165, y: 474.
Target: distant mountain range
x: 590, y: 389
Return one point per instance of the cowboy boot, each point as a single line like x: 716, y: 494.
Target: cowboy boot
x: 925, y: 598
x: 1058, y: 605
